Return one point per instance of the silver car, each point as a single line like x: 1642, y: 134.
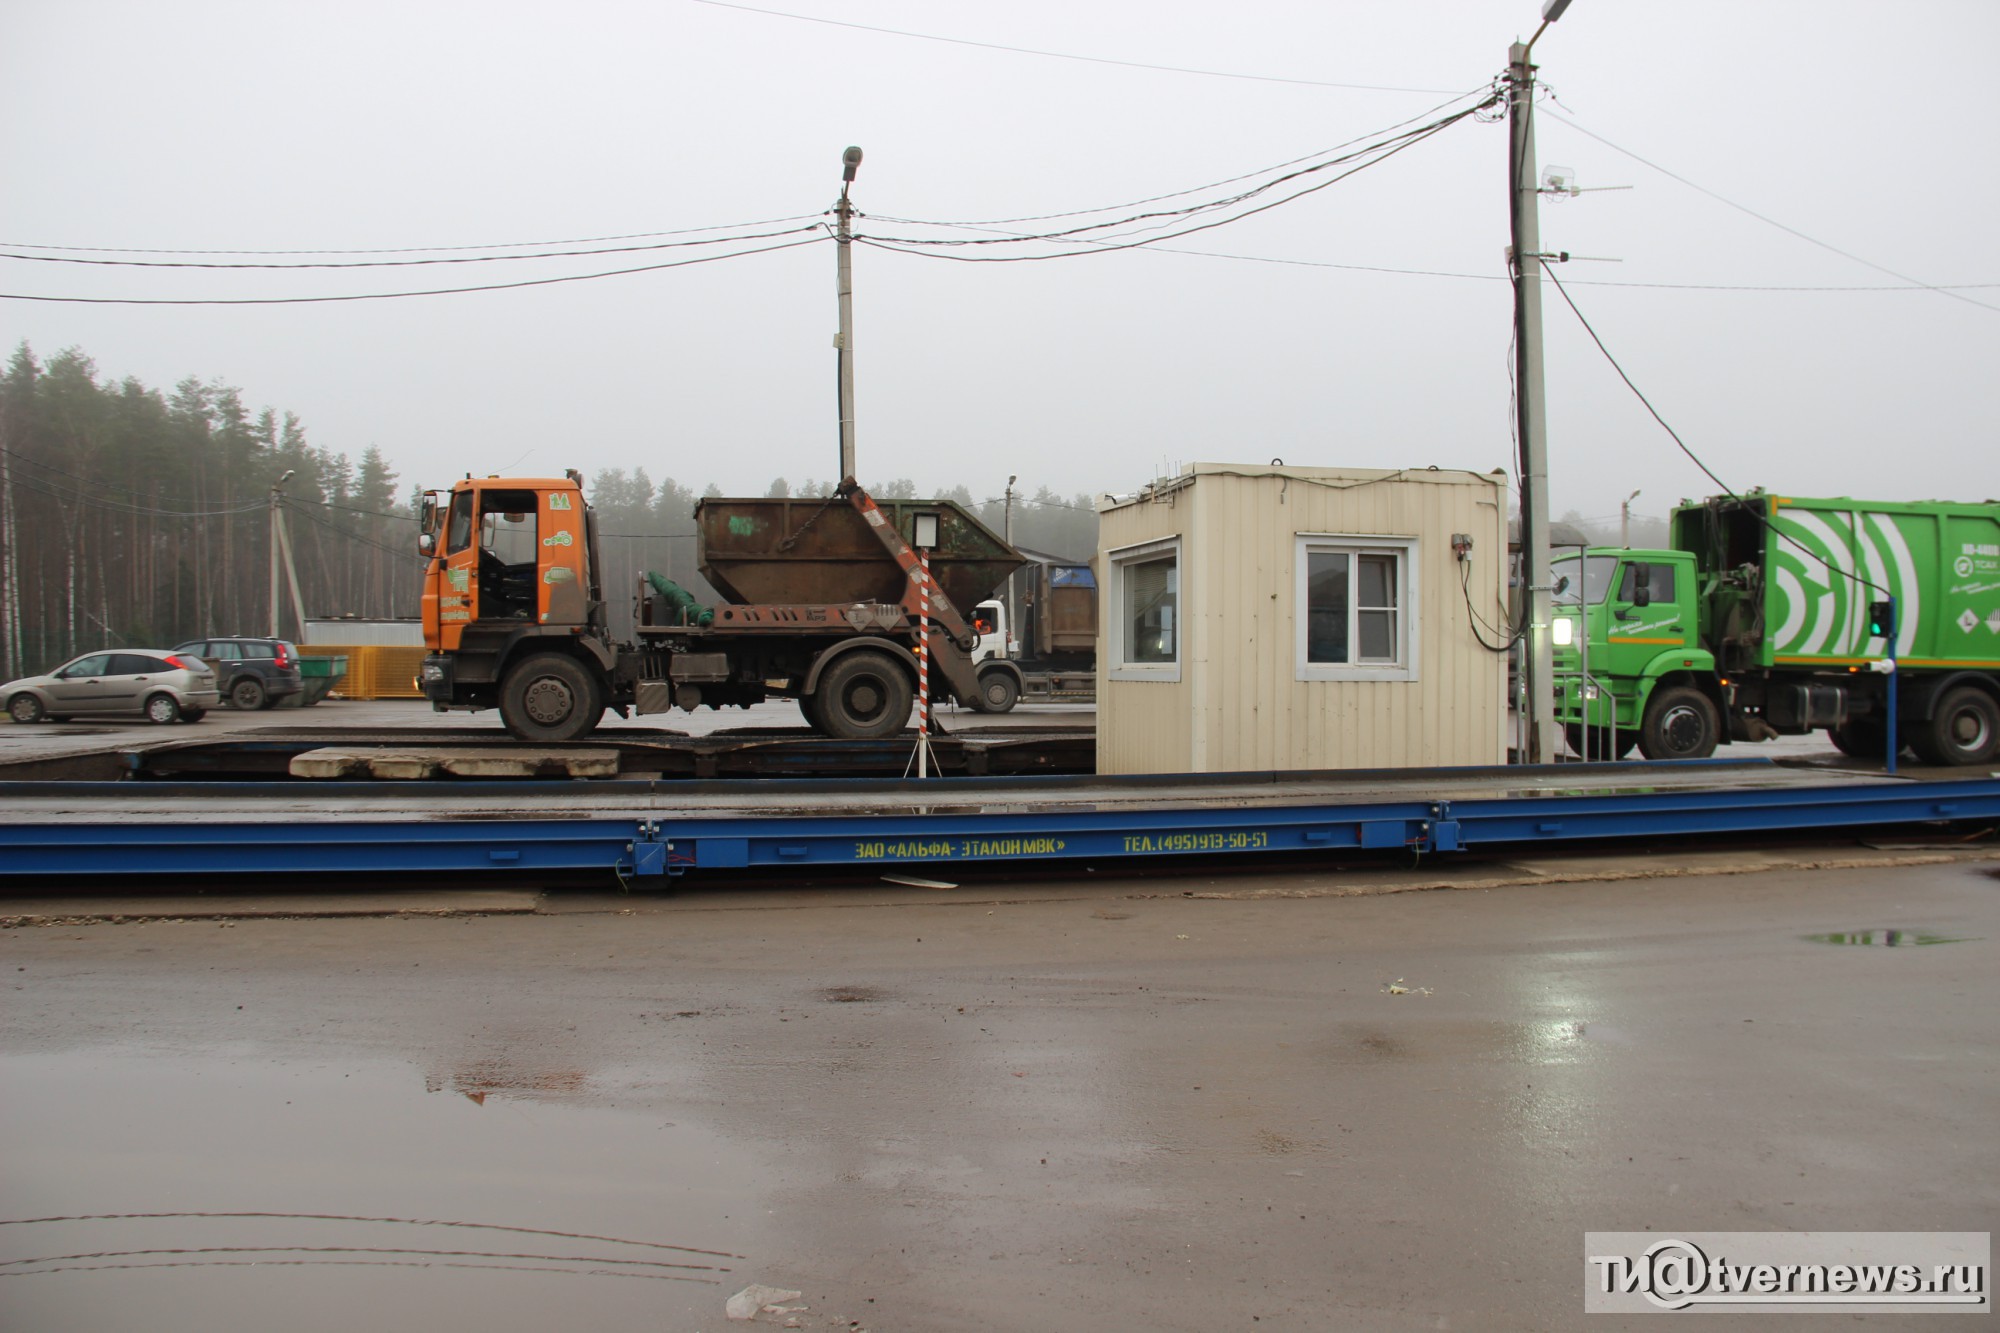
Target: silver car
x: 161, y: 686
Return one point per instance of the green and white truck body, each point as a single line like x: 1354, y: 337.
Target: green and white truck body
x: 1756, y: 623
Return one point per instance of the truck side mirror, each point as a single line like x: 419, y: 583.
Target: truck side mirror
x: 426, y: 544
x: 1642, y: 585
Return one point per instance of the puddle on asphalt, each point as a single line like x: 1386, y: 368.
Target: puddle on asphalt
x: 230, y: 1190
x: 1888, y: 939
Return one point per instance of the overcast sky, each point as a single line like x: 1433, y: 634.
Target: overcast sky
x: 1381, y: 340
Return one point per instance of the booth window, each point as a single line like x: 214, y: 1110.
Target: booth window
x: 1145, y: 612
x: 1357, y: 608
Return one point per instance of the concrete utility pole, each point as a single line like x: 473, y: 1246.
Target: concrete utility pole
x: 1523, y: 202
x: 276, y: 487
x: 1013, y: 586
x: 1625, y: 521
x: 843, y: 251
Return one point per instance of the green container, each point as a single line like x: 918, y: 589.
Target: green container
x: 319, y: 675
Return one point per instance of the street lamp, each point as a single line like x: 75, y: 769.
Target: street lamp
x: 1625, y: 520
x: 843, y: 251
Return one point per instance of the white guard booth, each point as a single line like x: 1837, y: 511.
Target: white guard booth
x: 1268, y: 617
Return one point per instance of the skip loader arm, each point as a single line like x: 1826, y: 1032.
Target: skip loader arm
x: 954, y: 658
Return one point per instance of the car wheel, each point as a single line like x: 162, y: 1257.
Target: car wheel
x: 161, y: 710
x: 1680, y: 723
x: 26, y: 708
x: 248, y: 694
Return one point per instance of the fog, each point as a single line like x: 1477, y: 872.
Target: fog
x: 1366, y: 324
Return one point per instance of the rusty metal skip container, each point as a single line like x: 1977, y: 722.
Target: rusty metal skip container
x: 795, y: 551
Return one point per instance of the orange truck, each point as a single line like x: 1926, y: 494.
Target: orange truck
x: 825, y: 598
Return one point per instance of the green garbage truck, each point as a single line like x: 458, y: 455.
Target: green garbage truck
x: 1762, y: 619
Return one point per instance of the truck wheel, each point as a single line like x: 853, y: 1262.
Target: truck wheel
x: 1600, y: 741
x: 248, y: 694
x: 1861, y: 737
x: 1964, y: 729
x: 998, y: 692
x: 549, y: 698
x: 1680, y: 723
x: 864, y: 696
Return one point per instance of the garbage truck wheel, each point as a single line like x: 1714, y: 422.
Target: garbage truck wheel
x: 864, y: 696
x: 1680, y: 723
x: 1964, y: 729
x: 549, y: 698
x: 998, y: 692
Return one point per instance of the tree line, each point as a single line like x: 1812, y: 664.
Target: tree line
x: 132, y: 517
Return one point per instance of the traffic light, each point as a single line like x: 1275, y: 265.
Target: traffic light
x: 1882, y: 619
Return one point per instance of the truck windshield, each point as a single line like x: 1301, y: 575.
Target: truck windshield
x: 1597, y: 571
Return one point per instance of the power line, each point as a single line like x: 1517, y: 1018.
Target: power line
x: 905, y: 245
x: 1773, y: 222
x: 1194, y: 189
x: 421, y: 249
x: 1064, y: 55
x: 1382, y: 145
x: 407, y: 263
x: 120, y: 507
x: 73, y: 495
x: 347, y: 535
x: 390, y: 296
x: 1630, y: 385
x: 1730, y: 491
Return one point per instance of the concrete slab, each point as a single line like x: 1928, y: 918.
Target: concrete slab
x: 410, y: 763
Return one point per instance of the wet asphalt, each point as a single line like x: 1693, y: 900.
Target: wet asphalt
x: 1161, y: 1103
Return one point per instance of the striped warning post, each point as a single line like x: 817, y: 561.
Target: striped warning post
x: 923, y: 646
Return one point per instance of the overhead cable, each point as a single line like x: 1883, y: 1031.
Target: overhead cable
x: 1064, y: 55
x: 391, y: 296
x: 1194, y: 189
x: 1773, y: 222
x: 418, y: 249
x: 408, y: 263
x: 1105, y: 246
x: 1379, y: 149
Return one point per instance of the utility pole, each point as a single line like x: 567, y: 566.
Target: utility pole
x: 276, y: 487
x: 1625, y: 521
x: 281, y: 545
x: 13, y: 660
x: 843, y: 251
x: 1523, y: 204
x: 1013, y: 585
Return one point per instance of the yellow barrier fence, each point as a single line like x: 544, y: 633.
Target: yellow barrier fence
x: 374, y: 671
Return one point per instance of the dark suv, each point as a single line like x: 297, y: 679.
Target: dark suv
x: 251, y: 673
